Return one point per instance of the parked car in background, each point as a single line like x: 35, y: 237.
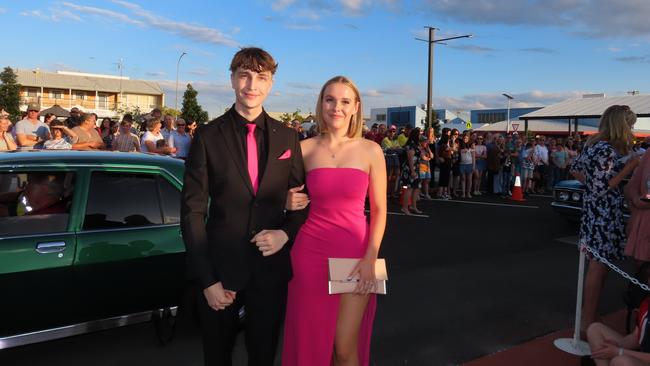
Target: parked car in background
x: 567, y: 199
x: 88, y: 241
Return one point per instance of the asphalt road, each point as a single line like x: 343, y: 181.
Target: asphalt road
x: 468, y: 280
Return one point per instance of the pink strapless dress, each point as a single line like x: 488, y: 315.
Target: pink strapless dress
x: 335, y: 228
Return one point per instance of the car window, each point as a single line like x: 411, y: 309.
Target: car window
x: 35, y: 202
x: 119, y: 200
x: 171, y: 201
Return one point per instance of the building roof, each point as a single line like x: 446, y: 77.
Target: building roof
x: 90, y: 82
x: 545, y: 126
x: 591, y: 107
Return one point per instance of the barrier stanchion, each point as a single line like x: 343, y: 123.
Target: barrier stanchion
x: 574, y: 345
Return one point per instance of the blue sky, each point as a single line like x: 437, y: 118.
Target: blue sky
x: 538, y: 51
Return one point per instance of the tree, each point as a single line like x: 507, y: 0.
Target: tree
x: 10, y: 93
x: 191, y: 110
x: 171, y: 111
x: 287, y: 117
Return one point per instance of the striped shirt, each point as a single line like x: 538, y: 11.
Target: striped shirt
x: 125, y: 142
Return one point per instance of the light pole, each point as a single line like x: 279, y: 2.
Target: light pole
x: 177, y: 65
x: 509, y: 99
x: 431, y: 41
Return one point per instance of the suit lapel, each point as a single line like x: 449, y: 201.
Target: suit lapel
x: 237, y: 153
x: 276, y: 147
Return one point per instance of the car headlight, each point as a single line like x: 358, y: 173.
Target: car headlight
x: 575, y: 196
x: 563, y: 196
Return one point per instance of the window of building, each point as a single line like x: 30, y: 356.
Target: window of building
x: 32, y: 92
x: 35, y: 202
x: 79, y: 95
x: 56, y: 94
x: 120, y: 200
x: 400, y: 118
x: 491, y: 117
x: 381, y: 118
x: 102, y: 102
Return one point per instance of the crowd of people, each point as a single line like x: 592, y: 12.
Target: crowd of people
x: 166, y: 135
x: 470, y: 163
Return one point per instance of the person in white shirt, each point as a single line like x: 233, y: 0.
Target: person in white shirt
x: 180, y: 140
x: 168, y: 126
x: 31, y: 132
x: 148, y: 141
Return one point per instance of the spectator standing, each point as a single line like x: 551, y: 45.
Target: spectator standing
x: 403, y: 137
x: 372, y: 134
x: 496, y: 159
x: 528, y: 168
x: 466, y: 166
x: 410, y: 174
x: 454, y: 143
x: 480, y: 155
x: 105, y: 127
x: 425, y: 168
x: 149, y: 139
x: 7, y: 142
x: 602, y: 227
x: 180, y: 140
x: 381, y: 133
x: 126, y: 140
x: 571, y: 150
x: 190, y: 126
x: 31, y: 132
x: 638, y: 227
x: 444, y: 164
x: 167, y: 127
x: 88, y: 137
x: 297, y: 126
x: 559, y: 158
x: 48, y: 118
x: 113, y: 130
x: 75, y: 118
x: 541, y: 157
x: 392, y: 149
x: 62, y: 137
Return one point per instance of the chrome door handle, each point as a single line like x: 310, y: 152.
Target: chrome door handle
x: 51, y: 247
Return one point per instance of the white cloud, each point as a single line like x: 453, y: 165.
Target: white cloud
x: 103, y: 13
x: 156, y: 73
x: 591, y: 18
x: 614, y: 49
x: 304, y: 27
x: 3, y: 10
x: 281, y: 4
x: 144, y: 18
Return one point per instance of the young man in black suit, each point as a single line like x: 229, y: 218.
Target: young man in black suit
x: 244, y: 162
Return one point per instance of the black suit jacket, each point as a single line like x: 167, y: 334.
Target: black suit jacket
x: 216, y: 173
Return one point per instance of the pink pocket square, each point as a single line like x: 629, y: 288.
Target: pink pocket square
x: 285, y: 155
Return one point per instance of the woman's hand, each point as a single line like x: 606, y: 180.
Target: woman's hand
x: 606, y: 350
x: 365, y: 272
x: 296, y: 200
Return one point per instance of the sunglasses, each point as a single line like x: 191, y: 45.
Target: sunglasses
x: 180, y: 125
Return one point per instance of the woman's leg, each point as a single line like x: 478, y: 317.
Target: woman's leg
x: 468, y: 184
x: 596, y: 334
x: 408, y: 192
x: 596, y: 275
x: 462, y: 185
x: 416, y: 198
x: 348, y: 325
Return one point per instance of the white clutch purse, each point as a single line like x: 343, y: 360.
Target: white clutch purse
x: 340, y: 268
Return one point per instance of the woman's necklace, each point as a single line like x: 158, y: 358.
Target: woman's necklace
x: 332, y: 153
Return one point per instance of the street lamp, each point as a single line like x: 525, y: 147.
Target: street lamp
x: 509, y: 99
x: 177, y: 65
x: 431, y: 41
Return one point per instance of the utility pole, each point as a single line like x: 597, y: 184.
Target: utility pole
x: 431, y: 42
x: 177, y: 66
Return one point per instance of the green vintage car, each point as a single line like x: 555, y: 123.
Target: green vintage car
x: 88, y: 241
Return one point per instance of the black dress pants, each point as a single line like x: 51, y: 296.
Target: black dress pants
x: 264, y: 306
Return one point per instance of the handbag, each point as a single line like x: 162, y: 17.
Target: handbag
x: 340, y: 268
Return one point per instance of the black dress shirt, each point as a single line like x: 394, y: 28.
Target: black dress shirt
x: 261, y: 136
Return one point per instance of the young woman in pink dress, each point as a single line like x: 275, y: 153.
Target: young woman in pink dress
x: 342, y: 168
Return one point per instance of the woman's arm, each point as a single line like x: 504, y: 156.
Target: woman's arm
x: 377, y: 195
x: 627, y: 169
x: 410, y: 153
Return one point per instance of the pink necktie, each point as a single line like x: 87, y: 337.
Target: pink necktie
x: 251, y: 147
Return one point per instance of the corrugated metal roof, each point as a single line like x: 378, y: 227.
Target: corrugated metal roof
x: 86, y: 82
x: 535, y: 126
x: 591, y: 107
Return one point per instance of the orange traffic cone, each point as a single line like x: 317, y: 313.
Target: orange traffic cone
x: 402, y: 193
x: 517, y: 193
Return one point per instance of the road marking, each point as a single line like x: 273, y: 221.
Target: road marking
x: 486, y: 203
x: 571, y: 240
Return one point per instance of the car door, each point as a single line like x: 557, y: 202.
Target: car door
x: 37, y: 247
x: 130, y: 255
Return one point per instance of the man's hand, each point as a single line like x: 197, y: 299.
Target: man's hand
x: 270, y: 242
x: 217, y: 297
x: 296, y: 200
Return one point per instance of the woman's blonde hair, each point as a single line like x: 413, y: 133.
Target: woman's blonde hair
x: 152, y: 122
x: 616, y: 128
x: 356, y: 122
